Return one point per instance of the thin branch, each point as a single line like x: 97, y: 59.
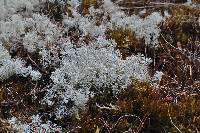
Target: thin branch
x: 125, y: 116
x: 172, y: 120
x: 111, y: 107
x: 29, y: 57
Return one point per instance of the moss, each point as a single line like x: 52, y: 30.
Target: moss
x: 181, y: 26
x: 126, y: 40
x: 196, y: 1
x: 55, y: 11
x: 124, y: 37
x: 154, y: 109
x: 86, y: 4
x: 16, y: 98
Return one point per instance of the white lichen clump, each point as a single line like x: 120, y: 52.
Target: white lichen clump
x: 9, y: 67
x: 36, y: 126
x: 93, y: 66
x: 10, y: 7
x: 147, y: 28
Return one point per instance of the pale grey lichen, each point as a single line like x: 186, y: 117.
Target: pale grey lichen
x: 97, y: 66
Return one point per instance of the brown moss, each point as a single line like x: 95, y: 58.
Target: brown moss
x: 181, y: 26
x: 16, y: 98
x: 122, y: 36
x: 141, y: 100
x: 126, y: 40
x: 196, y: 1
x: 145, y: 104
x: 55, y: 10
x: 178, y: 40
x: 86, y: 4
